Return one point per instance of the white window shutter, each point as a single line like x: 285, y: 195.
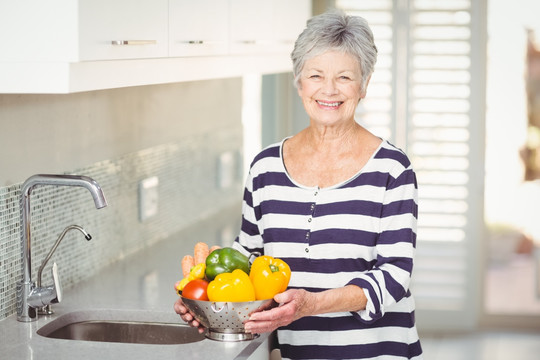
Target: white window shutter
x: 427, y: 97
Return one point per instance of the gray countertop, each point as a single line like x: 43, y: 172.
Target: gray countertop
x: 141, y: 284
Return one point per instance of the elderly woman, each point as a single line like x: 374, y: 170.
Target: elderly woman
x: 338, y: 204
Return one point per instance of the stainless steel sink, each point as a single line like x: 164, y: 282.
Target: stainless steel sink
x: 121, y: 327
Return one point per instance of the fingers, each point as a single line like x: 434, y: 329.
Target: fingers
x: 187, y: 316
x: 291, y: 307
x: 259, y: 327
x: 269, y: 320
x: 179, y: 308
x: 283, y: 297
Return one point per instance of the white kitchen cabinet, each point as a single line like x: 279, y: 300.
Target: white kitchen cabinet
x: 36, y: 31
x: 123, y: 29
x: 262, y: 26
x: 83, y: 30
x: 198, y: 28
x: 64, y: 46
x: 251, y: 26
x: 288, y: 21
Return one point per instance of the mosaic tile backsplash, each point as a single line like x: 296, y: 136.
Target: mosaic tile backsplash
x: 189, y: 191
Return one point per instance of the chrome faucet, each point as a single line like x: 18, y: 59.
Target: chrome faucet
x: 46, y: 310
x: 30, y: 297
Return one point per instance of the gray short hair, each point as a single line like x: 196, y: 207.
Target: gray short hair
x: 335, y: 31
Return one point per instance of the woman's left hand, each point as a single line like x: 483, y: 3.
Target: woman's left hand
x: 186, y: 315
x: 293, y: 304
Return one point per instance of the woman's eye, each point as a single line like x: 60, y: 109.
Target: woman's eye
x: 314, y: 76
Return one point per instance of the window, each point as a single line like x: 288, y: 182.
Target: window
x: 427, y: 97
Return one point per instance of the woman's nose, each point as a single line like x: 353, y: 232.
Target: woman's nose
x: 329, y: 87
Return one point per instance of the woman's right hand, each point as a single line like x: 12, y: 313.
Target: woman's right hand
x: 186, y: 315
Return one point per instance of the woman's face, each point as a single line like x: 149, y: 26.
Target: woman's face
x: 331, y: 87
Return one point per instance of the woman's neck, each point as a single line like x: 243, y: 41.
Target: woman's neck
x: 330, y: 139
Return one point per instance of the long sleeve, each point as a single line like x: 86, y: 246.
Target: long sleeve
x: 250, y: 239
x: 388, y: 282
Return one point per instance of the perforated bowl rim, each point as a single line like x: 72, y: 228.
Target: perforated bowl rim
x: 210, y: 313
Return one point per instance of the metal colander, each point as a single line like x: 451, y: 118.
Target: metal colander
x: 224, y: 320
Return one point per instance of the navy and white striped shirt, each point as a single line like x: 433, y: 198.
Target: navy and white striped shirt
x: 361, y: 232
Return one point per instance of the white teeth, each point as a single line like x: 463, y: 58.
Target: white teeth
x: 328, y: 104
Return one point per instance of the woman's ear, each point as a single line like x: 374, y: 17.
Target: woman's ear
x: 299, y: 87
x: 364, y: 89
x: 297, y: 83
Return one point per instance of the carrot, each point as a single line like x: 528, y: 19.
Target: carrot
x: 187, y: 263
x: 215, y: 247
x: 200, y: 252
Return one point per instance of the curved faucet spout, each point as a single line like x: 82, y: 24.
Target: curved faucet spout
x: 25, y: 312
x: 66, y: 180
x: 53, y: 249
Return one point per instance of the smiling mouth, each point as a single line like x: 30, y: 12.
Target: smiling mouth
x: 330, y: 104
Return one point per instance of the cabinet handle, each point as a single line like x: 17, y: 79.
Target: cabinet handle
x: 201, y: 42
x: 254, y: 42
x: 133, y: 42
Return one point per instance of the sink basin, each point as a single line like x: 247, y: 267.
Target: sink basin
x: 121, y: 327
x: 126, y: 332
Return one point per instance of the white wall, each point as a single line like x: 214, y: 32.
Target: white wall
x: 506, y: 119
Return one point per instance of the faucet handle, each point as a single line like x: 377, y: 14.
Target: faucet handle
x: 57, y: 287
x: 42, y: 296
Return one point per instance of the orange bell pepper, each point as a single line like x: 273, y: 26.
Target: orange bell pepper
x: 269, y: 276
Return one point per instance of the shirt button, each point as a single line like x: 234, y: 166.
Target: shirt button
x: 309, y: 220
x: 312, y: 207
x: 307, y: 250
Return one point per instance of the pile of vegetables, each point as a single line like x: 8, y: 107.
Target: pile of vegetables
x: 225, y: 274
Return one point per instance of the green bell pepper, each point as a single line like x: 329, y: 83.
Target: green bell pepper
x: 225, y: 260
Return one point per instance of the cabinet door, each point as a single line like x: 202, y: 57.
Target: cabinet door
x: 251, y: 26
x: 123, y: 29
x: 259, y: 26
x: 198, y: 28
x: 289, y: 20
x: 33, y: 31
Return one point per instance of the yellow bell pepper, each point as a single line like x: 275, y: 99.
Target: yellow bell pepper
x: 269, y: 276
x: 234, y: 287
